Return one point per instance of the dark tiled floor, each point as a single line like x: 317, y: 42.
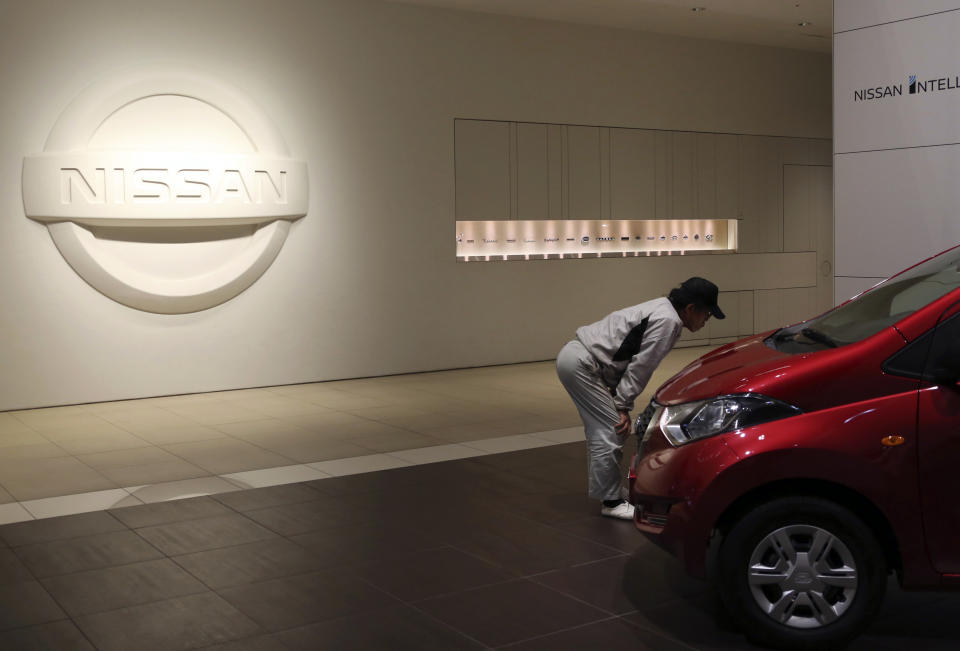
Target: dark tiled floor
x: 502, y: 551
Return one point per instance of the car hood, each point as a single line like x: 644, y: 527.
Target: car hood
x: 813, y: 380
x: 744, y: 366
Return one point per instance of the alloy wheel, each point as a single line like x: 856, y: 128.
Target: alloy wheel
x: 802, y: 576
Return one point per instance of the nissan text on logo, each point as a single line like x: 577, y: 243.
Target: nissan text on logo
x: 167, y: 191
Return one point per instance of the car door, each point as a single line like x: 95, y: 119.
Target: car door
x: 938, y: 429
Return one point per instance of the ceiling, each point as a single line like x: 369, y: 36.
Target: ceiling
x: 761, y: 22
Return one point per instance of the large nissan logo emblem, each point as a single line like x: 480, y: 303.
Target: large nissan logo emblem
x: 165, y: 190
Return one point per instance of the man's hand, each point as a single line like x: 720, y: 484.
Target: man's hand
x: 622, y: 428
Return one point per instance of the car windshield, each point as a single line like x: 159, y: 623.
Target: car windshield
x: 881, y: 306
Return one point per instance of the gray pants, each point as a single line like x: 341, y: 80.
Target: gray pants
x: 579, y: 373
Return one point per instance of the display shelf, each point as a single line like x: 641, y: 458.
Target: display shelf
x: 488, y: 241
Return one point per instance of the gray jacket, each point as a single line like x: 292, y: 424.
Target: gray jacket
x: 630, y: 344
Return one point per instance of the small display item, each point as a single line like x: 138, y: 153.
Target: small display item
x: 556, y: 239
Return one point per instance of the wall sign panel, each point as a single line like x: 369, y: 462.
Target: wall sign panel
x: 167, y: 191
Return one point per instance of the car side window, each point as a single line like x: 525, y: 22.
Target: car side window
x: 922, y: 357
x: 943, y: 360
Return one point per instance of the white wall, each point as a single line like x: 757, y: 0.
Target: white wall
x: 367, y: 93
x: 896, y: 158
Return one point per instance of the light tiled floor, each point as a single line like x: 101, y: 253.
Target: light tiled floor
x: 96, y: 456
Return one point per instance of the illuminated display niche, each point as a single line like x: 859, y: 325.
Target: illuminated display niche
x: 488, y: 241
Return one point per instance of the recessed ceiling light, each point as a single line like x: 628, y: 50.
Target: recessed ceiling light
x: 804, y: 23
x: 698, y: 9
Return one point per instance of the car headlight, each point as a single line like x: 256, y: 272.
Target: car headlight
x: 696, y: 420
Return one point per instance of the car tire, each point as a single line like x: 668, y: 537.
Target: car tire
x: 801, y: 573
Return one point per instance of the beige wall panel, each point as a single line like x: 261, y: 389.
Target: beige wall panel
x: 822, y: 152
x: 533, y: 171
x: 778, y: 308
x: 821, y: 205
x: 555, y: 171
x: 690, y: 342
x: 482, y: 169
x: 684, y: 166
x: 799, y: 220
x: 664, y: 174
x: 605, y: 173
x: 806, y: 151
x: 745, y: 306
x: 583, y: 172
x: 706, y: 175
x: 762, y: 270
x: 760, y: 188
x: 797, y: 304
x: 728, y: 176
x: 730, y: 326
x: 766, y: 309
x: 723, y: 340
x: 692, y: 338
x: 632, y: 174
x: 808, y: 222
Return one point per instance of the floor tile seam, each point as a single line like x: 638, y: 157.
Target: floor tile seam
x: 659, y: 633
x: 72, y: 617
x: 274, y: 536
x: 115, y: 484
x: 567, y: 534
x: 83, y: 634
x: 398, y: 599
x: 106, y: 567
x: 352, y: 567
x: 41, y: 579
x: 572, y: 596
x: 446, y: 626
x: 488, y: 561
x: 582, y: 537
x: 514, y: 579
x: 33, y: 576
x: 320, y: 496
x: 128, y: 430
x: 267, y: 527
x: 260, y: 629
x: 444, y: 595
x: 207, y: 470
x: 46, y: 623
x: 213, y: 589
x: 575, y: 565
x: 162, y: 553
x: 670, y: 602
x: 123, y: 527
x: 516, y: 643
x: 293, y: 462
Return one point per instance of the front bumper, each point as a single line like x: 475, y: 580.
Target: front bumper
x: 666, y: 486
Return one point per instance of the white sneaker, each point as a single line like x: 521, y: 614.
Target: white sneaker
x: 623, y: 511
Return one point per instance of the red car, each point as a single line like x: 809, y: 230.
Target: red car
x: 797, y: 468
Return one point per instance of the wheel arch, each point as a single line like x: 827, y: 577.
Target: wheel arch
x: 845, y: 496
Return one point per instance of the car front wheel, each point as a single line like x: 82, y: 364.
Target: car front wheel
x: 801, y: 573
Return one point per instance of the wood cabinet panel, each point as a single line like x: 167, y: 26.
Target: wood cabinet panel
x: 632, y: 174
x: 482, y: 169
x: 533, y: 171
x: 583, y: 172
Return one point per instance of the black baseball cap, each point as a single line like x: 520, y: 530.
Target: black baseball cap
x: 703, y: 293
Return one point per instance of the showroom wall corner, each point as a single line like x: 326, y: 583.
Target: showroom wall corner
x: 896, y: 158
x: 366, y: 93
